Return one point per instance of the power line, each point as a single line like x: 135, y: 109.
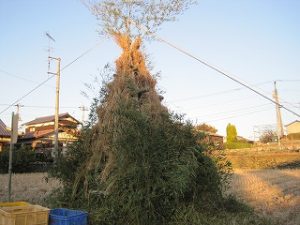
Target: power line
x: 45, y: 81
x: 139, y: 26
x: 16, y: 76
x: 295, y: 105
x: 42, y: 106
x: 287, y: 80
x: 215, y: 93
x: 215, y: 104
x: 20, y: 77
x: 236, y: 110
x: 13, y: 75
x: 24, y: 96
x: 224, y: 74
x: 235, y: 116
x: 80, y: 56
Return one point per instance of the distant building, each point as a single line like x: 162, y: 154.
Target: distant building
x: 39, y: 133
x: 4, y: 135
x: 240, y: 138
x: 293, y: 127
x: 215, y: 139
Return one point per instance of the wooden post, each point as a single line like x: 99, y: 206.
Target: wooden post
x: 13, y: 140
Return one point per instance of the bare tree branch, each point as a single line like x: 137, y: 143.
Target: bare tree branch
x: 126, y: 16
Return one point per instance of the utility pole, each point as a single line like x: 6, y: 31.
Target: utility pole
x: 18, y: 110
x: 56, y: 118
x: 83, y: 110
x: 13, y: 140
x: 278, y: 114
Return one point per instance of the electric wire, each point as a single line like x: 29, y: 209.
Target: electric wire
x: 220, y: 71
x: 42, y: 106
x: 16, y: 76
x: 235, y: 110
x: 235, y: 116
x: 215, y: 93
x: 224, y: 74
x: 45, y: 81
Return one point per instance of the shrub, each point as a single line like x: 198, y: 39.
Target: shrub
x: 238, y: 145
x: 23, y: 158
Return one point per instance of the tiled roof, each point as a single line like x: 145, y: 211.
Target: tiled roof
x: 37, y: 134
x: 28, y: 135
x: 42, y: 133
x: 48, y: 119
x: 3, y: 130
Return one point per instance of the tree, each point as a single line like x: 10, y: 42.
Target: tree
x: 135, y: 18
x: 206, y: 128
x: 137, y: 163
x: 268, y: 136
x: 231, y: 133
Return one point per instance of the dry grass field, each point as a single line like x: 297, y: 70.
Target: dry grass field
x: 273, y: 193
x: 31, y: 187
x: 250, y: 159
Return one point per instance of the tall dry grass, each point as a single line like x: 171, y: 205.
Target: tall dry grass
x: 273, y: 193
x: 30, y: 187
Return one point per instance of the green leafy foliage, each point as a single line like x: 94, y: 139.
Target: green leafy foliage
x: 23, y: 160
x: 232, y: 141
x: 231, y: 133
x: 243, y: 216
x: 238, y: 145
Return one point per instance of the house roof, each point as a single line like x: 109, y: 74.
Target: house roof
x: 3, y: 129
x: 51, y: 118
x: 213, y: 134
x: 40, y: 133
x: 296, y: 121
x: 240, y: 138
x: 37, y: 134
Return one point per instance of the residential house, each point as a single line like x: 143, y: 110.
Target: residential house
x: 214, y: 139
x: 293, y: 130
x: 4, y: 135
x: 245, y: 140
x: 39, y: 133
x: 293, y: 127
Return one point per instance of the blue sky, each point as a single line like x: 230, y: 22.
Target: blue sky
x: 257, y: 41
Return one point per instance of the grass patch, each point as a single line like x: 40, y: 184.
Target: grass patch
x: 263, y: 160
x: 237, y: 213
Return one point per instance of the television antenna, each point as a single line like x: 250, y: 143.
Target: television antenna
x: 50, y: 39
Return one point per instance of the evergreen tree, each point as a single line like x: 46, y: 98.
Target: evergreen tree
x: 231, y: 133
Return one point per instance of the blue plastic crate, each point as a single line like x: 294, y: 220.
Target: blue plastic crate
x: 67, y: 217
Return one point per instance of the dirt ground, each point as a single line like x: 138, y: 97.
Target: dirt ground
x: 274, y: 193
x: 30, y: 187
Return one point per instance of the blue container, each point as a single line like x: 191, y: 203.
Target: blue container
x: 67, y: 217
